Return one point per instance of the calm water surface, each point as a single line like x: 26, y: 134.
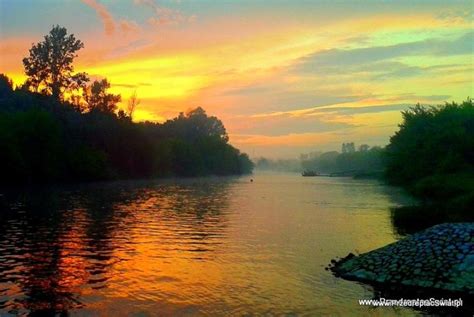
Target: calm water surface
x: 214, y: 246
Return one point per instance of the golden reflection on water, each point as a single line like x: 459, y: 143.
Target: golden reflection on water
x: 215, y: 246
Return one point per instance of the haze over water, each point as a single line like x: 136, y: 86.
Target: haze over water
x: 209, y: 246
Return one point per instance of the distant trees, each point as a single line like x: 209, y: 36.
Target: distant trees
x: 98, y: 99
x: 367, y: 160
x: 282, y: 165
x: 364, y: 148
x: 49, y: 65
x: 348, y: 147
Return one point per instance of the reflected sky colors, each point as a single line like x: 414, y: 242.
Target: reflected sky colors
x: 193, y: 247
x: 284, y: 76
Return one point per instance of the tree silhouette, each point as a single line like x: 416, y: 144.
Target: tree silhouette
x: 6, y: 86
x: 49, y: 66
x: 97, y: 98
x: 133, y: 102
x: 201, y: 125
x: 45, y: 138
x: 363, y: 148
x: 348, y: 147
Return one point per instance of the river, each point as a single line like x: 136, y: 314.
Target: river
x: 207, y: 246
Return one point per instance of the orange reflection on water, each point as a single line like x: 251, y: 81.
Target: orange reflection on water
x: 217, y: 246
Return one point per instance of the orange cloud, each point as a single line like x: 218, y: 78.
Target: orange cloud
x: 104, y: 14
x: 127, y: 26
x: 12, y: 51
x: 241, y: 67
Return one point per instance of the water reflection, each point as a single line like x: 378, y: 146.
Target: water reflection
x: 59, y: 245
x: 414, y: 218
x: 215, y: 246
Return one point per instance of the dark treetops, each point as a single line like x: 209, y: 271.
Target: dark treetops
x: 58, y: 128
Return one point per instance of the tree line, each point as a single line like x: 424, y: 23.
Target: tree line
x: 432, y: 154
x: 60, y: 127
x: 365, y: 161
x: 361, y: 162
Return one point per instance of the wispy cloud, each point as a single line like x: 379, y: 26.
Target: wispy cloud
x: 339, y: 58
x: 164, y: 15
x: 456, y: 16
x: 104, y: 15
x: 322, y: 75
x: 111, y: 25
x: 127, y: 26
x: 285, y: 124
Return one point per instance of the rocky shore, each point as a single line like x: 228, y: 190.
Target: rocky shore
x: 441, y: 257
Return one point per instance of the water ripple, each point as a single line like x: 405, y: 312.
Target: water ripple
x: 218, y: 246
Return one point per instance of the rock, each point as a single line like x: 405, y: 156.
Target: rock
x: 440, y: 257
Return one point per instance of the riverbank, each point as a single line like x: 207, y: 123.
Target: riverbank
x: 441, y: 257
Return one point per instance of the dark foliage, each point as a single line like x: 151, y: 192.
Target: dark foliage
x: 432, y: 141
x: 46, y: 138
x: 432, y: 155
x: 97, y: 99
x: 43, y: 140
x: 49, y: 65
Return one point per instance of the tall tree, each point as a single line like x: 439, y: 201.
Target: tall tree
x: 98, y: 99
x: 49, y: 66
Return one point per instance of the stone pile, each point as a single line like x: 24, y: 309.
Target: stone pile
x: 440, y: 257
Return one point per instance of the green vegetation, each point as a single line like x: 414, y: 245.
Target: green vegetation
x: 364, y: 162
x: 432, y: 141
x: 57, y: 128
x: 432, y: 156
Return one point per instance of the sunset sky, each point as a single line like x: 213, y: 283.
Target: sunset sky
x: 285, y: 77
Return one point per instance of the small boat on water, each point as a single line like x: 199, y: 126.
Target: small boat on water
x: 309, y: 173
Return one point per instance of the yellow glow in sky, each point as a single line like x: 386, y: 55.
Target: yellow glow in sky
x: 255, y: 65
